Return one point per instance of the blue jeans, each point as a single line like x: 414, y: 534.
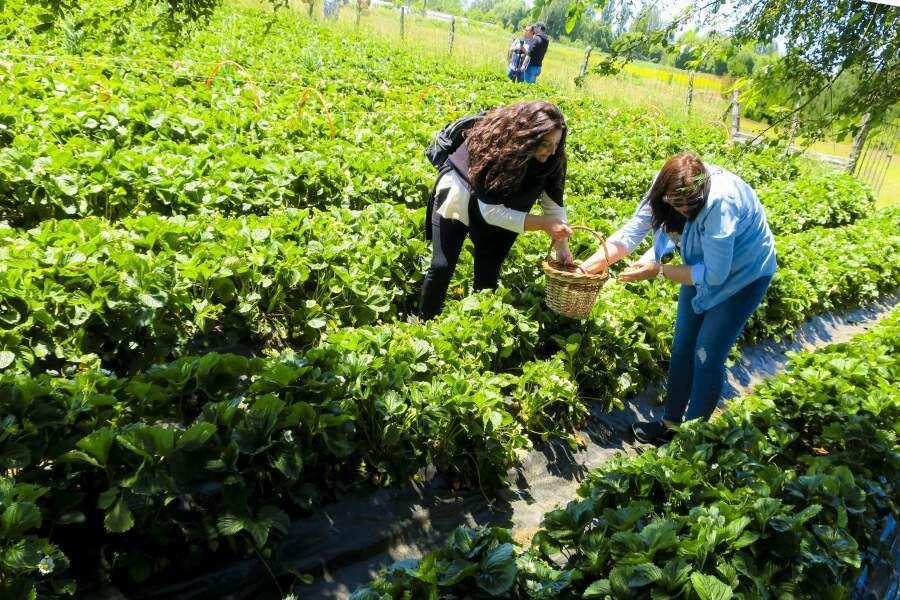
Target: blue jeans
x: 531, y: 74
x: 701, y: 346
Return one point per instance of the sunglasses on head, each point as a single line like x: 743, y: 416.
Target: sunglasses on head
x: 684, y: 201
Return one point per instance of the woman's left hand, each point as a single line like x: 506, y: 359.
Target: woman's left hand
x: 640, y: 271
x: 564, y: 255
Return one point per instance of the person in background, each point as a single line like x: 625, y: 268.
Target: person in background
x: 518, y: 55
x: 719, y: 226
x: 538, y: 48
x: 507, y: 160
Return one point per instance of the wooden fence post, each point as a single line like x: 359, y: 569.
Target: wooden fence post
x: 452, y: 34
x: 579, y: 81
x: 795, y: 126
x: 402, y: 27
x: 735, y: 114
x: 690, y: 93
x: 858, y: 142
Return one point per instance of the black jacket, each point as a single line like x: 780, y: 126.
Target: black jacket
x: 547, y: 177
x: 539, y: 44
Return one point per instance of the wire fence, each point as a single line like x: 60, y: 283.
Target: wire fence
x: 877, y: 155
x: 665, y: 92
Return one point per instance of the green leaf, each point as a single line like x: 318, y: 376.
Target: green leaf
x: 627, y: 577
x: 497, y: 570
x: 259, y: 531
x: 274, y: 517
x: 66, y: 185
x: 660, y: 535
x: 457, y: 571
x: 98, y: 443
x: 230, y: 524
x: 6, y: 358
x: 18, y: 518
x: 148, y: 441
x: 150, y: 301
x: 119, y: 519
x: 746, y: 538
x: 735, y: 527
x: 598, y: 589
x: 107, y: 497
x: 675, y: 574
x: 709, y: 587
x: 195, y: 436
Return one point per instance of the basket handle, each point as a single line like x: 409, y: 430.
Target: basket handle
x: 599, y: 237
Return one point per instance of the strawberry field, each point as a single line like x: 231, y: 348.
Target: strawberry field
x: 781, y: 497
x: 210, y: 248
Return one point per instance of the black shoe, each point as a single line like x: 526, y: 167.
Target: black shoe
x: 654, y: 432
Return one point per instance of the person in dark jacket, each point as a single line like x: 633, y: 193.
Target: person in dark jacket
x: 510, y: 158
x: 538, y: 49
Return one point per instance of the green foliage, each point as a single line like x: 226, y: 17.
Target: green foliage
x: 30, y: 565
x: 133, y: 295
x: 819, y: 199
x: 205, y: 306
x: 782, y: 496
x: 825, y: 40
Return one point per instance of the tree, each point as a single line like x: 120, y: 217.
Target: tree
x: 554, y: 16
x: 509, y: 13
x: 648, y: 20
x: 825, y: 40
x: 453, y: 7
x: 594, y: 31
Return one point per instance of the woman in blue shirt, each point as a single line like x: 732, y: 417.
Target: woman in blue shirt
x: 716, y: 221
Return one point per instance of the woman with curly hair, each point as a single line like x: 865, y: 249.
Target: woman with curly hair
x: 508, y: 159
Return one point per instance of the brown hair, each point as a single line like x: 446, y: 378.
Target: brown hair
x: 685, y: 178
x: 501, y: 146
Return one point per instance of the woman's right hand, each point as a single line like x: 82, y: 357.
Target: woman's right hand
x: 594, y: 265
x: 557, y: 229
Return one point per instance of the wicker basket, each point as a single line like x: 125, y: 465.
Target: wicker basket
x: 570, y: 293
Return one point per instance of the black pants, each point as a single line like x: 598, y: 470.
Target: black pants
x: 492, y: 245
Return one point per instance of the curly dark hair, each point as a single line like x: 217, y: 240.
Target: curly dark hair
x: 502, y: 144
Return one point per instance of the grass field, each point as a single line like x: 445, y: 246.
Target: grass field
x: 658, y: 89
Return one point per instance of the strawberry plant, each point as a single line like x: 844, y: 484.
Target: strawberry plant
x: 205, y: 290
x: 782, y: 495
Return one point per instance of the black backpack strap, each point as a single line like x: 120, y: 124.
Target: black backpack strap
x: 449, y: 139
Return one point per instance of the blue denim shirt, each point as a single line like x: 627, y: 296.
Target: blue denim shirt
x: 728, y: 245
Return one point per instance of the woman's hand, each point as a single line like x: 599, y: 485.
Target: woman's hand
x: 640, y: 271
x: 593, y: 265
x: 563, y: 254
x: 557, y: 229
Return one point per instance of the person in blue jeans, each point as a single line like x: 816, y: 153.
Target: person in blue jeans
x: 717, y: 223
x: 537, y: 48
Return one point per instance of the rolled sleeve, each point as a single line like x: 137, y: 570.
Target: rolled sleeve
x: 503, y: 217
x: 636, y: 229
x: 551, y: 209
x: 698, y: 274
